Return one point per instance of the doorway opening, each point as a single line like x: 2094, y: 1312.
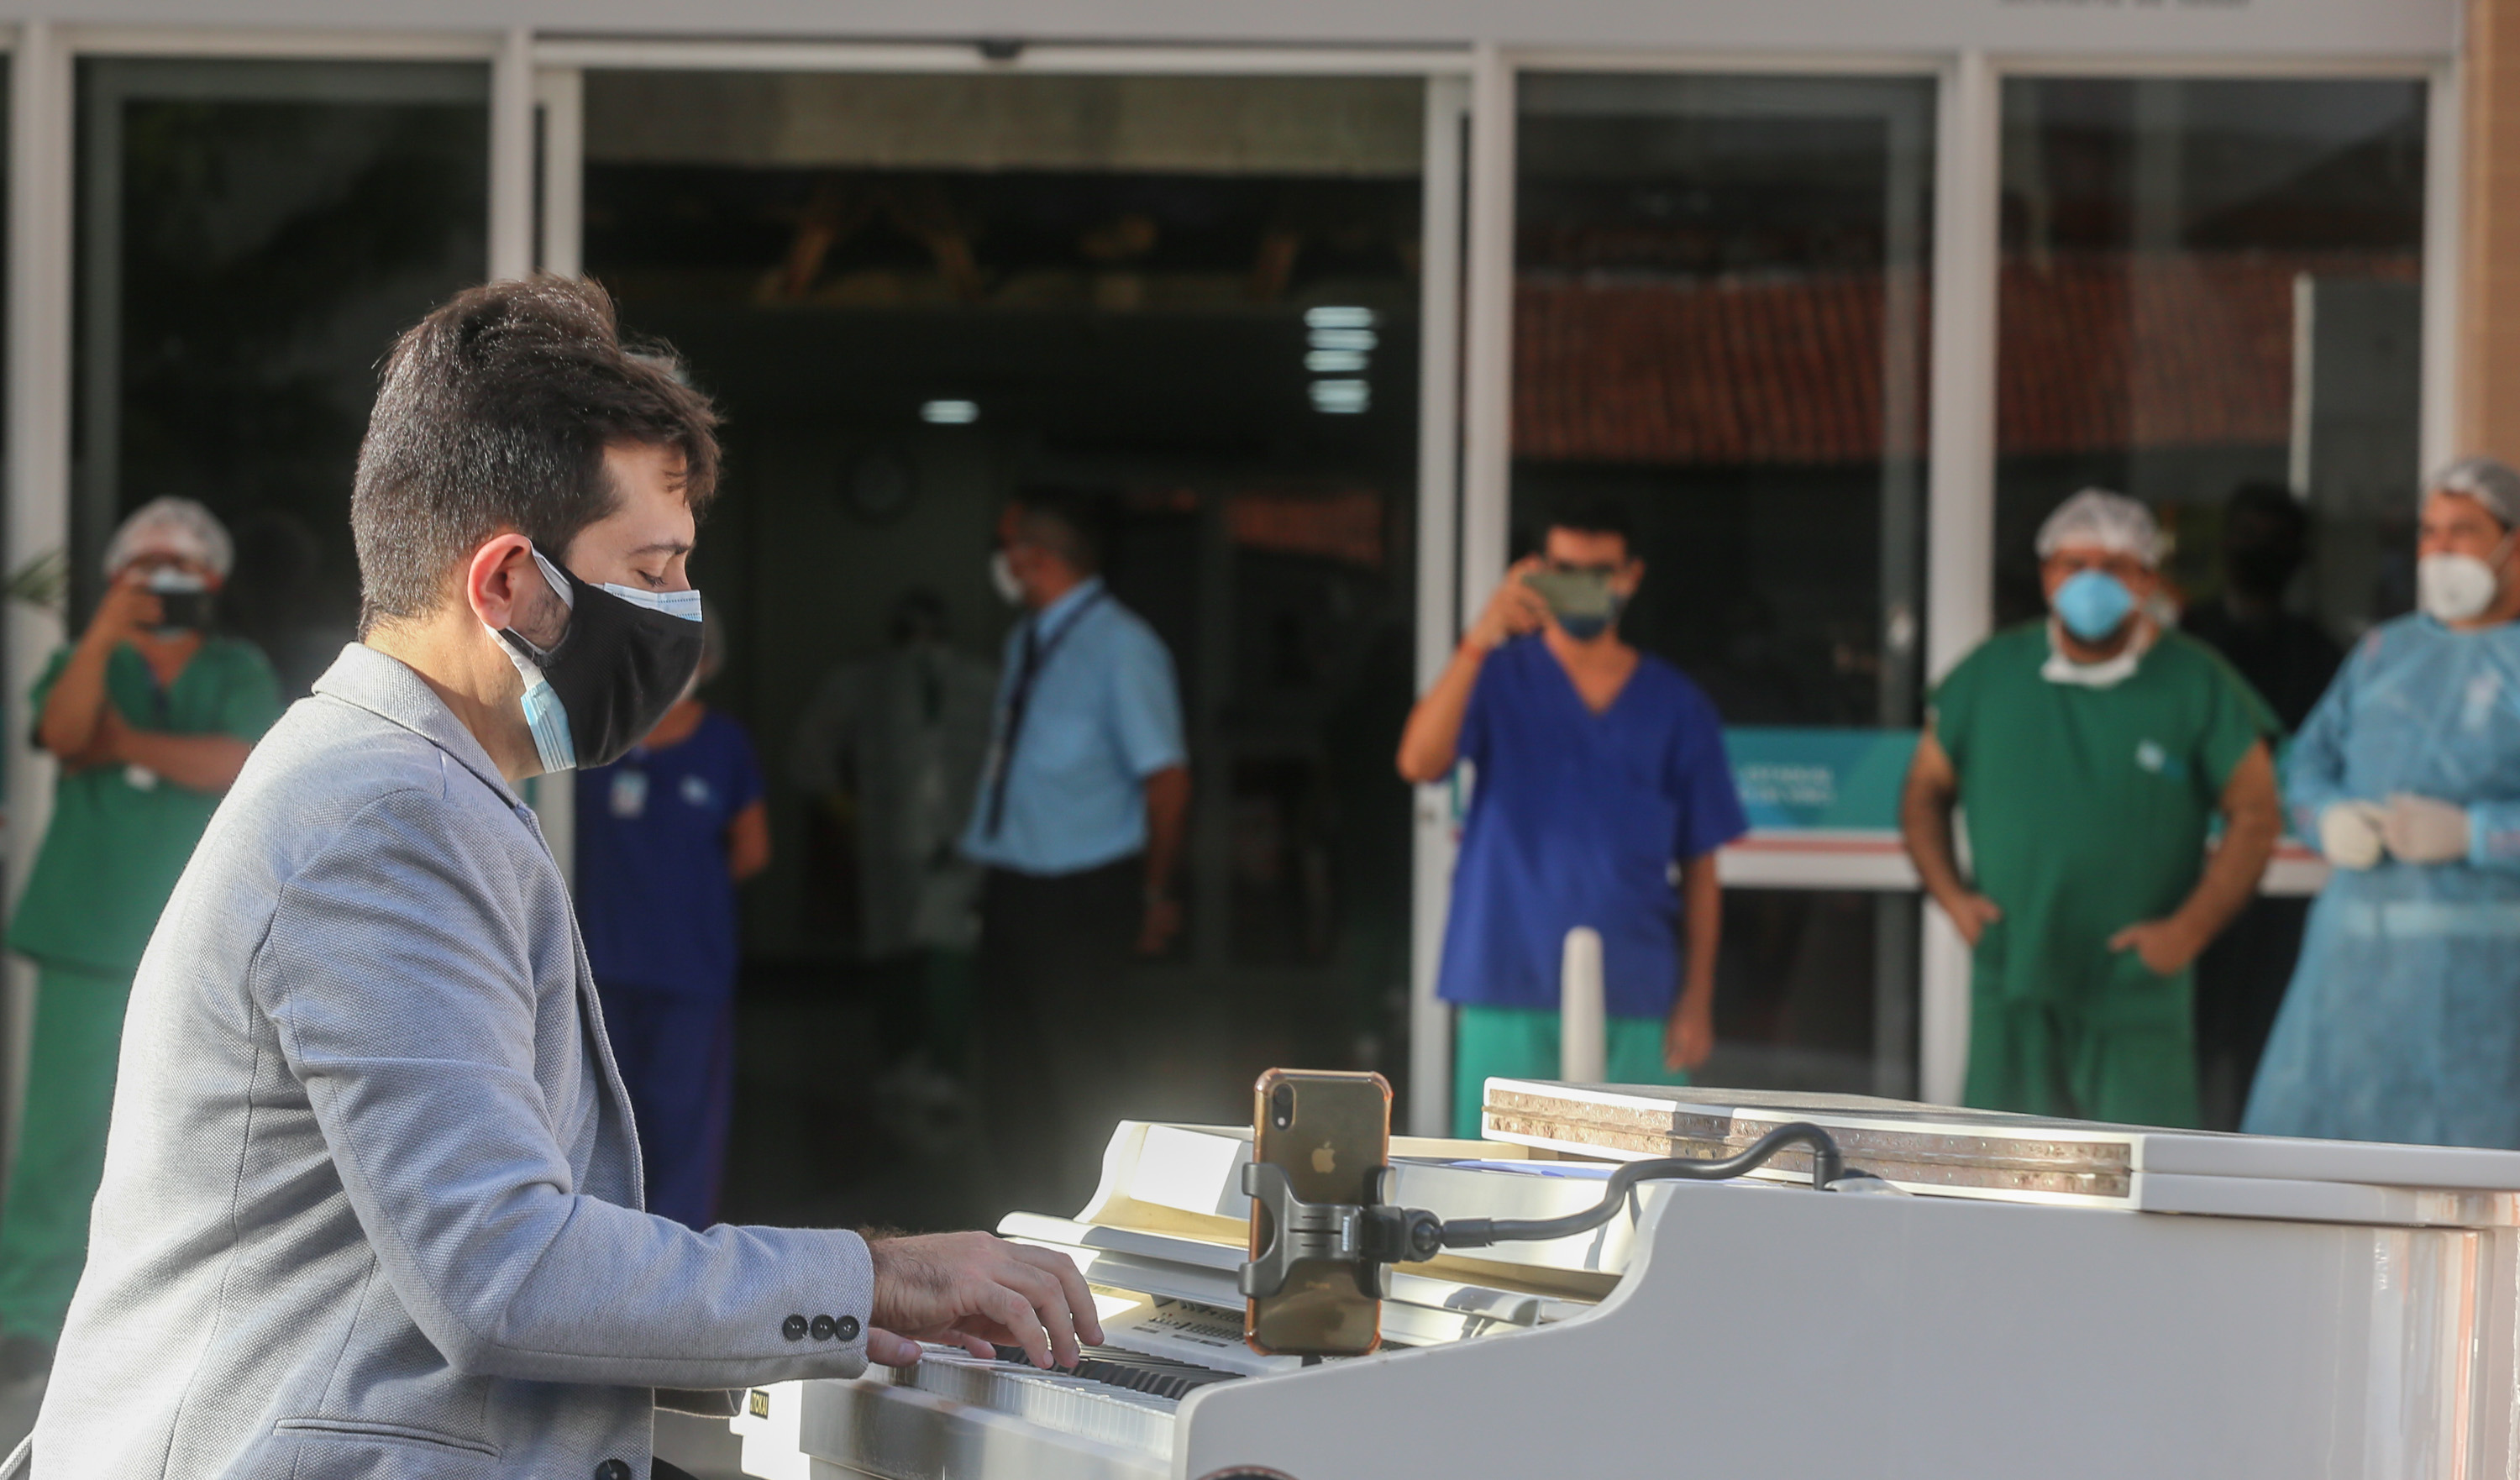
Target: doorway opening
x: 1194, y: 299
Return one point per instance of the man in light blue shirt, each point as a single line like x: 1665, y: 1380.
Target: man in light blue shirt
x: 1079, y: 823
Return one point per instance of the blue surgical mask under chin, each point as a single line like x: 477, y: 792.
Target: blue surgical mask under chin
x: 555, y: 744
x: 2093, y: 605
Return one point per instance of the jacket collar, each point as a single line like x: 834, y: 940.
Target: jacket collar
x: 389, y: 688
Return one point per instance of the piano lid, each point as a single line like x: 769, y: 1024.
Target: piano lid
x: 1947, y: 1151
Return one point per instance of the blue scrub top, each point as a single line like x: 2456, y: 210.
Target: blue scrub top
x: 655, y: 900
x: 1578, y: 819
x: 1103, y: 716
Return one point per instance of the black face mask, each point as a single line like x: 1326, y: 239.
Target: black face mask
x: 626, y: 656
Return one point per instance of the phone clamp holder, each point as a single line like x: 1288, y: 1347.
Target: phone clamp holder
x: 1369, y: 1236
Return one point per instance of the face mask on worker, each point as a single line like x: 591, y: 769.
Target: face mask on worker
x: 626, y: 656
x: 1004, y: 580
x: 2093, y: 605
x: 1584, y: 629
x: 183, y: 602
x: 2458, y: 588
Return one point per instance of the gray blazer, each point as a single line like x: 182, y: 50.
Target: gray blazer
x: 371, y: 1196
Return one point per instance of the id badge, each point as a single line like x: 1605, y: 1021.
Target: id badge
x: 629, y: 796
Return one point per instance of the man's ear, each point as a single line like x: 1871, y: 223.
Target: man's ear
x: 496, y: 578
x: 1635, y: 574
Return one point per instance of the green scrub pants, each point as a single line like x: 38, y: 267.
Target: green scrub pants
x: 61, y: 1147
x: 1521, y: 1042
x: 2038, y: 1059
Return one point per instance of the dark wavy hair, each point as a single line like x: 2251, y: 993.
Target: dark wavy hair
x: 494, y: 414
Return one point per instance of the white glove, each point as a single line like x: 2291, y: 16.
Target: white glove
x: 2421, y: 830
x: 2348, y: 833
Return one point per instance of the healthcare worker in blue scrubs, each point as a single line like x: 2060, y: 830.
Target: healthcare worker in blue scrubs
x: 1598, y: 797
x: 663, y: 837
x: 2402, y: 1021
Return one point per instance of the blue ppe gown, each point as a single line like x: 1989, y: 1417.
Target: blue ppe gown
x: 2403, y: 1021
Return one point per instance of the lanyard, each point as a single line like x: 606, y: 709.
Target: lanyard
x: 1037, y: 653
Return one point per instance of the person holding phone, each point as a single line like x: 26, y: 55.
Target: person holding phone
x: 1600, y: 793
x: 150, y: 717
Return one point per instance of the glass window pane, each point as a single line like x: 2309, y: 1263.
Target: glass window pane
x: 1816, y: 990
x: 2211, y: 300
x: 2210, y: 284
x: 253, y: 235
x: 1720, y: 326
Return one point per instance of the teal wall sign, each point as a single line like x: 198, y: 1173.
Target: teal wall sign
x: 1838, y: 779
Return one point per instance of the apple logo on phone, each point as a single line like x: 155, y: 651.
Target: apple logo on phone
x: 1325, y: 1159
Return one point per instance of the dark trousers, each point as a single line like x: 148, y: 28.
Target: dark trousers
x: 676, y: 1050
x: 1054, y: 949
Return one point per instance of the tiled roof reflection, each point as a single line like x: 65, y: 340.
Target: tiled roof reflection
x: 2096, y: 353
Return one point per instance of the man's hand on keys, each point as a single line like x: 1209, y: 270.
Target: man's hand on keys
x: 979, y: 1292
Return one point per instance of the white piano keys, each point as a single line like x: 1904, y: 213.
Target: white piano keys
x: 1077, y: 1405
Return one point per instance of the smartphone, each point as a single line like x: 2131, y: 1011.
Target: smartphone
x: 1332, y: 1133
x: 1579, y: 594
x: 183, y: 599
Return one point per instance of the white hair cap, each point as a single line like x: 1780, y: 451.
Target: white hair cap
x: 2488, y: 480
x: 174, y: 526
x: 2110, y: 520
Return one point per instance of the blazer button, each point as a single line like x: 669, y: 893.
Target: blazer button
x: 847, y: 1326
x: 612, y: 1469
x: 822, y: 1327
x: 794, y: 1327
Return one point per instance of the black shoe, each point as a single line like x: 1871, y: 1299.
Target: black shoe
x: 23, y: 1357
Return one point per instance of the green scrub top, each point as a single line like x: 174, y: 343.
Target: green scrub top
x: 2087, y: 811
x: 120, y: 837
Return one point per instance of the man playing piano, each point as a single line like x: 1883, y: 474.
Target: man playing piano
x: 372, y: 1202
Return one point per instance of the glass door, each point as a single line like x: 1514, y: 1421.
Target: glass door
x: 252, y: 236
x: 1720, y: 330
x: 1194, y: 300
x: 2211, y: 300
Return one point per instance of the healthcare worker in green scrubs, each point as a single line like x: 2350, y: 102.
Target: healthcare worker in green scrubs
x: 2090, y: 753
x: 150, y: 717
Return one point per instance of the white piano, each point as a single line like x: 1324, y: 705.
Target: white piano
x: 2047, y: 1299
